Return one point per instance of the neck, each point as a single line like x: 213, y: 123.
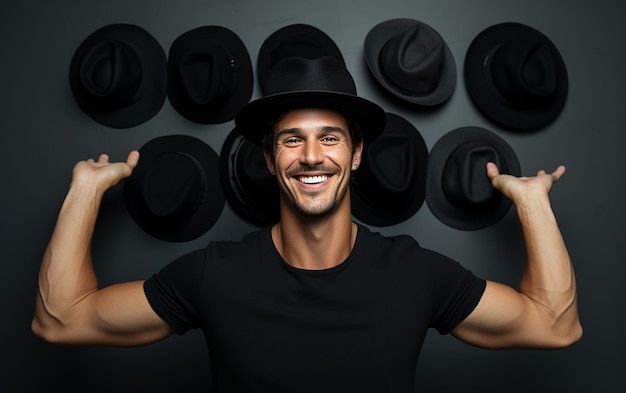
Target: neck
x: 315, y: 243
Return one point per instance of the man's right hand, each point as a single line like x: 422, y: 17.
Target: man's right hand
x: 103, y: 173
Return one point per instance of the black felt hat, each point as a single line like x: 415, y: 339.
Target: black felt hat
x: 458, y: 191
x: 390, y: 184
x: 516, y: 76
x: 297, y: 82
x: 174, y: 193
x: 297, y: 40
x: 118, y: 75
x: 209, y: 75
x: 251, y: 190
x: 411, y: 60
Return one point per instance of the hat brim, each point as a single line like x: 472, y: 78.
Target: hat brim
x: 259, y: 215
x: 480, y: 87
x: 436, y: 199
x: 215, y: 112
x: 152, y: 99
x: 376, y: 40
x: 264, y: 58
x: 207, y: 213
x: 390, y: 214
x: 253, y: 121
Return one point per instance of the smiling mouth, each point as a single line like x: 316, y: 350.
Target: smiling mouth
x: 312, y: 179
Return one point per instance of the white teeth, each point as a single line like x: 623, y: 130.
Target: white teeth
x: 313, y: 179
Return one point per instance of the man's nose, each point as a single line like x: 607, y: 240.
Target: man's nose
x: 312, y: 153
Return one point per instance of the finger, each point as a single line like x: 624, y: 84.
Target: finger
x: 492, y: 170
x: 556, y: 175
x: 132, y: 159
x: 104, y: 158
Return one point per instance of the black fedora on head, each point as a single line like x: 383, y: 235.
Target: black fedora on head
x: 411, y: 60
x: 209, y: 75
x: 458, y: 190
x: 516, y: 76
x: 118, y: 75
x: 174, y: 193
x: 251, y: 190
x: 297, y: 82
x: 297, y: 40
x: 390, y: 184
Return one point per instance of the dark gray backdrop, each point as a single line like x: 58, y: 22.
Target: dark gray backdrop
x: 43, y: 133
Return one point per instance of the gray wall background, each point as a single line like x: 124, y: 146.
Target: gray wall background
x: 43, y: 133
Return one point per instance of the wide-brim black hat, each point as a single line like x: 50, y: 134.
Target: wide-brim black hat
x: 411, y: 60
x: 174, y: 193
x: 251, y: 190
x: 390, y: 184
x: 458, y: 191
x: 297, y: 82
x: 516, y: 76
x: 209, y: 74
x: 296, y: 40
x: 118, y: 75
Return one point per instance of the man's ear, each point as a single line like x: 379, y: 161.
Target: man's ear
x: 357, y: 155
x: 269, y: 161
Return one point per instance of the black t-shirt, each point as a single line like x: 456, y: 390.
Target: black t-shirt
x: 357, y: 327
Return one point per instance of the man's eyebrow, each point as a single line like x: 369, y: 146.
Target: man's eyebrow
x: 288, y: 131
x: 321, y: 130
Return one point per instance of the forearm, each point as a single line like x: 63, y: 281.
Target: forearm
x: 548, y: 278
x: 66, y: 275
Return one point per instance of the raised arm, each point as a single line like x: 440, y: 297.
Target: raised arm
x: 543, y: 313
x: 70, y: 307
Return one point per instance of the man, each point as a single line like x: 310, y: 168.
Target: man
x: 315, y: 302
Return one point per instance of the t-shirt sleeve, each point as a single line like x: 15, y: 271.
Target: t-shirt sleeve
x: 455, y: 291
x: 170, y: 291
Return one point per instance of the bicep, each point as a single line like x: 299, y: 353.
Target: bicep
x: 120, y: 315
x: 504, y: 318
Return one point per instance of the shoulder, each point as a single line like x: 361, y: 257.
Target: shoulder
x: 253, y: 243
x: 373, y: 242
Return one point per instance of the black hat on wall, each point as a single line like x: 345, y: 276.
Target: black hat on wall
x: 209, y: 75
x: 297, y: 40
x: 411, y: 60
x: 297, y: 82
x: 251, y: 190
x: 118, y: 75
x: 174, y: 193
x: 516, y: 76
x: 458, y: 191
x: 390, y: 184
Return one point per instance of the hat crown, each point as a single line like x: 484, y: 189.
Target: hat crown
x: 207, y: 73
x: 524, y: 72
x: 387, y: 170
x: 324, y: 74
x: 389, y: 186
x: 251, y: 174
x: 412, y: 60
x: 465, y: 181
x: 112, y: 72
x: 298, y: 44
x: 174, y: 186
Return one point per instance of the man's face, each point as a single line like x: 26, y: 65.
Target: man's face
x: 313, y: 157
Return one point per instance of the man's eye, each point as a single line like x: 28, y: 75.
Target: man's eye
x: 330, y: 139
x: 291, y: 141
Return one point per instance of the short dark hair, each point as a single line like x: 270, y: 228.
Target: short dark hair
x: 355, y: 129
